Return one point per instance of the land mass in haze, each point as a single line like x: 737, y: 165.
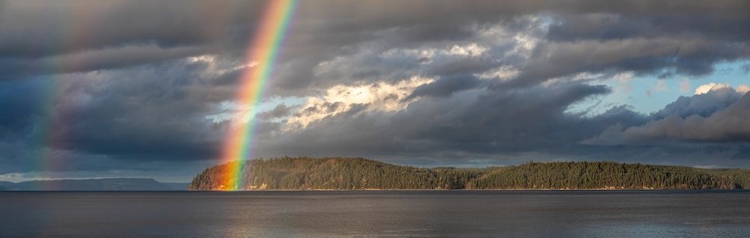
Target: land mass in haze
x: 357, y: 173
x: 105, y: 184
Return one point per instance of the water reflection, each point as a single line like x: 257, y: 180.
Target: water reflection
x: 377, y: 213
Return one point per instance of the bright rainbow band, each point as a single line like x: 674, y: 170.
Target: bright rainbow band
x: 263, y: 52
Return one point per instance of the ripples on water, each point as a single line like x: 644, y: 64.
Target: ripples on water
x: 376, y: 213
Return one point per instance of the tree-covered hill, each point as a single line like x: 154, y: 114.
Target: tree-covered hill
x: 334, y: 173
x: 356, y: 173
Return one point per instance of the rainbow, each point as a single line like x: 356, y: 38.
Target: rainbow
x: 52, y: 126
x: 263, y: 53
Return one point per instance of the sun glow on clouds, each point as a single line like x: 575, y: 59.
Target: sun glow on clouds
x: 380, y: 96
x: 703, y: 89
x: 341, y: 98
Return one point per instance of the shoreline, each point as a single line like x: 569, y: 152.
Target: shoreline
x: 438, y: 190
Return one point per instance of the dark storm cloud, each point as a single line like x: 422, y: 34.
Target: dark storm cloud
x: 144, y: 113
x: 17, y: 103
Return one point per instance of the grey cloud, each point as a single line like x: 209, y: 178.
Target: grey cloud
x: 446, y: 86
x: 282, y: 110
x: 481, y: 122
x: 702, y: 104
x: 59, y: 28
x: 700, y: 119
x: 92, y: 60
x: 642, y: 56
x: 463, y: 66
x: 611, y: 26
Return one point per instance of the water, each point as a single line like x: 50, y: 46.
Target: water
x: 376, y: 213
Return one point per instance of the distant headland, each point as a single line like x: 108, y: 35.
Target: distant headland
x: 303, y: 173
x: 102, y: 184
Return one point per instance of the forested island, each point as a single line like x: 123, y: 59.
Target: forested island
x: 303, y: 173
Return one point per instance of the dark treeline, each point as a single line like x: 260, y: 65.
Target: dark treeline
x: 605, y: 175
x: 346, y: 173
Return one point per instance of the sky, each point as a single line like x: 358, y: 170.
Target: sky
x: 142, y: 88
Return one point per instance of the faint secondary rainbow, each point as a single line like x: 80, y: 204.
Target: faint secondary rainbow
x: 52, y: 127
x: 263, y: 51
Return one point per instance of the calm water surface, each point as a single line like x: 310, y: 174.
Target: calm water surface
x: 376, y: 213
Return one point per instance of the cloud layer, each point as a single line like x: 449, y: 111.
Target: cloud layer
x: 106, y: 86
